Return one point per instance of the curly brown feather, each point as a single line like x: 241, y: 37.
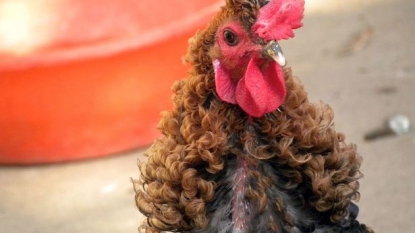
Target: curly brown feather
x: 176, y: 184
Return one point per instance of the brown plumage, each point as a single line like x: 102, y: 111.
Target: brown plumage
x: 217, y: 169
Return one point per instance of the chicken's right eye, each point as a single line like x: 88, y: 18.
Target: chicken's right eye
x: 230, y: 37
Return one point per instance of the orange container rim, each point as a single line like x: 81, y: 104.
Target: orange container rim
x: 110, y: 46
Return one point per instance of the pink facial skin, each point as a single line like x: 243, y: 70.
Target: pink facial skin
x: 245, y: 78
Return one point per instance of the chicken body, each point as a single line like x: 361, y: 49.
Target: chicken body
x: 243, y: 149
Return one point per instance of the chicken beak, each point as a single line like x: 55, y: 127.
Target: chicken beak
x: 273, y: 49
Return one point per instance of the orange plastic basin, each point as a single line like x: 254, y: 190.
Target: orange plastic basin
x: 81, y: 79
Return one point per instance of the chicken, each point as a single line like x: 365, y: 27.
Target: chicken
x: 243, y: 150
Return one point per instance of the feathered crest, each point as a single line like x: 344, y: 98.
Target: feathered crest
x: 269, y: 19
x: 260, y: 3
x: 247, y: 10
x: 277, y: 19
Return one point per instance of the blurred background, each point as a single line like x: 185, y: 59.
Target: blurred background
x: 82, y: 85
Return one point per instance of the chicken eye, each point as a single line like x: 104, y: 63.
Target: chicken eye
x: 230, y: 37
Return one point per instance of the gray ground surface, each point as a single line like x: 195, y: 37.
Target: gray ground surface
x: 358, y: 56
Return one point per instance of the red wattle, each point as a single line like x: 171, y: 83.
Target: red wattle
x: 261, y: 91
x: 225, y: 87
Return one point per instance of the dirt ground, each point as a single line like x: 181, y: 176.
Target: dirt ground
x: 358, y: 56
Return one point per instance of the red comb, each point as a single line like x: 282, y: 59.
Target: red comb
x: 278, y: 19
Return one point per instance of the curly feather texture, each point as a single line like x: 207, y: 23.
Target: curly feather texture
x: 302, y: 175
